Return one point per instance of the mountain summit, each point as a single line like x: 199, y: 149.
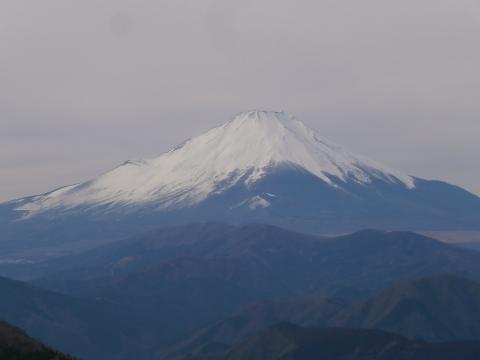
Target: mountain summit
x: 261, y: 166
x: 242, y: 151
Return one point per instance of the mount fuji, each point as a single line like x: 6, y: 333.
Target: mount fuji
x: 259, y: 167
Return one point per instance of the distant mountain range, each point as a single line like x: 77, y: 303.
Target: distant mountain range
x: 265, y: 258
x: 182, y: 254
x: 167, y: 292
x: 260, y: 167
x: 439, y: 308
x: 251, y: 320
x: 290, y: 342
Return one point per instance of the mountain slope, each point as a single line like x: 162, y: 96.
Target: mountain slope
x: 261, y: 166
x: 174, y: 298
x: 242, y: 150
x: 439, y: 308
x: 190, y: 276
x: 16, y: 345
x: 90, y: 329
x: 271, y: 259
x: 251, y: 320
x: 290, y: 342
x: 178, y: 280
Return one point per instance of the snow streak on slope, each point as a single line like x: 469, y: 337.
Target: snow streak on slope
x: 241, y: 151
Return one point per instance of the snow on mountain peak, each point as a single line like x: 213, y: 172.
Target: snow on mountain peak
x: 241, y: 150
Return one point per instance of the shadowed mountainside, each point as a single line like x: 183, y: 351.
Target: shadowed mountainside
x: 177, y: 281
x: 16, y: 345
x: 90, y: 329
x: 289, y: 342
x: 439, y: 308
x: 265, y: 258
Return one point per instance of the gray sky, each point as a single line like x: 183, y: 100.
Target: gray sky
x: 85, y: 85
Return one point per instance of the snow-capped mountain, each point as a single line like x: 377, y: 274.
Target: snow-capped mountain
x: 242, y: 151
x: 259, y: 167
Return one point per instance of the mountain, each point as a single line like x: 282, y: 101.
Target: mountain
x: 269, y: 259
x: 241, y: 151
x: 16, y: 345
x: 176, y: 288
x: 173, y: 298
x: 438, y: 308
x: 251, y: 320
x: 259, y: 167
x: 182, y: 279
x: 90, y: 329
x: 289, y: 342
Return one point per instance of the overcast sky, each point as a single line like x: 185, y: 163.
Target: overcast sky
x: 85, y: 85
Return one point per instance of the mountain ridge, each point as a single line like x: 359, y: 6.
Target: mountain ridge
x: 261, y: 167
x: 286, y: 341
x: 242, y: 150
x: 442, y: 307
x: 17, y: 345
